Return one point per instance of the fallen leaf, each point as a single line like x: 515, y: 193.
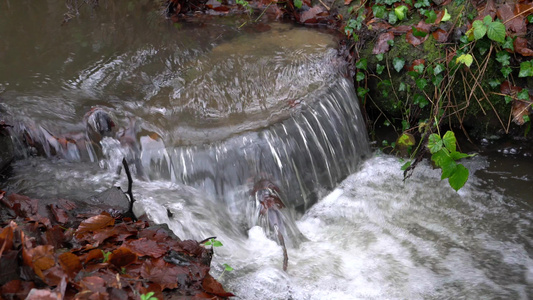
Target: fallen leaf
x: 416, y: 62
x: 211, y: 286
x: 70, y: 263
x: 16, y: 289
x: 519, y: 110
x: 59, y: 214
x: 122, y: 257
x: 95, y: 223
x: 144, y: 247
x: 415, y: 40
x: 42, y: 258
x: 45, y: 294
x: 514, y: 23
x: 520, y: 46
x: 94, y: 284
x: 382, y: 44
x: 95, y: 254
x: 313, y: 15
x: 440, y: 35
x: 6, y: 238
x: 400, y: 30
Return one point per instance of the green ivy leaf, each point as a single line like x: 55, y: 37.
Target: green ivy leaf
x: 379, y: 11
x: 506, y: 71
x: 361, y: 92
x: 503, y: 57
x: 422, y: 3
x: 419, y: 68
x: 530, y: 19
x: 434, y: 143
x: 483, y: 46
x: 449, y: 141
x: 466, y: 59
x: 379, y: 69
x: 392, y: 18
x: 398, y: 64
x: 400, y: 12
x: 494, y: 83
x: 438, y: 69
x: 509, y: 43
x: 298, y: 3
x: 523, y: 95
x: 359, y: 76
x: 405, y: 125
x: 526, y: 118
x: 508, y: 99
x: 379, y: 57
x: 362, y: 64
x: 496, y: 31
x: 446, y: 16
x: 420, y: 100
x: 421, y: 83
x: 479, y: 29
x: 418, y: 33
x: 459, y: 177
x: 526, y: 69
x: 402, y: 87
x: 431, y: 17
x: 437, y: 80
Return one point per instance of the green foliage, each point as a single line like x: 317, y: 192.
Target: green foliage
x: 379, y: 11
x: 523, y: 95
x: 400, y: 12
x: 106, y: 255
x: 298, y: 3
x: 526, y: 69
x: 466, y: 59
x: 446, y: 16
x: 148, y: 296
x: 214, y: 243
x: 245, y: 4
x: 445, y: 156
x: 359, y: 76
x: 398, y: 64
x: 362, y: 64
x: 495, y: 30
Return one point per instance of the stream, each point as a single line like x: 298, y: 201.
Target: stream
x: 203, y: 111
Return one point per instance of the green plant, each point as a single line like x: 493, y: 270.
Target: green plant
x: 148, y: 296
x: 245, y: 5
x: 227, y: 268
x: 106, y: 255
x: 214, y: 243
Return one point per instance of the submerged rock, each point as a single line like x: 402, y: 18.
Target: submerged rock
x: 6, y: 149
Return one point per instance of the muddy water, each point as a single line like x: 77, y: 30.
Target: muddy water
x: 231, y: 106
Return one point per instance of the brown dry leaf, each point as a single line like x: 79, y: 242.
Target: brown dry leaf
x: 122, y: 257
x: 42, y: 258
x: 440, y: 35
x: 210, y: 285
x: 16, y: 289
x: 519, y: 111
x: 95, y: 223
x: 520, y: 46
x: 347, y: 2
x: 382, y: 44
x: 192, y: 247
x: 70, y: 263
x: 313, y: 15
x: 66, y: 204
x: 515, y: 24
x: 94, y: 284
x: 45, y: 294
x: 59, y: 214
x: 23, y: 206
x: 55, y: 236
x: 6, y: 237
x: 399, y: 30
x: 144, y: 247
x: 95, y: 254
x: 163, y: 273
x: 415, y: 40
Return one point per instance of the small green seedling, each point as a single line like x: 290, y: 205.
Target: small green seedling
x: 148, y: 296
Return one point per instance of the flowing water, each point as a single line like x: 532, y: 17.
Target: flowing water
x: 205, y: 110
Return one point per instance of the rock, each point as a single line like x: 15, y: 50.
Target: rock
x: 6, y: 150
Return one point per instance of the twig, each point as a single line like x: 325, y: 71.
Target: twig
x: 327, y: 7
x: 129, y: 213
x: 525, y: 11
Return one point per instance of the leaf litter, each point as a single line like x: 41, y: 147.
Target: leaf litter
x: 96, y: 257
